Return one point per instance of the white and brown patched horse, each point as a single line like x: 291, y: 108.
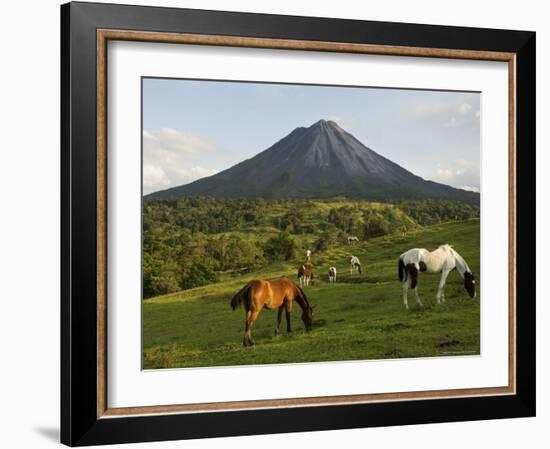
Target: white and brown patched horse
x: 332, y: 275
x: 443, y: 260
x: 354, y: 265
x: 353, y: 239
x: 305, y: 275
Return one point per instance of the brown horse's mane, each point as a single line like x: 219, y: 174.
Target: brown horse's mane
x: 303, y: 299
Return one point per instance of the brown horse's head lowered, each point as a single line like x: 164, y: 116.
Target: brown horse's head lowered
x: 307, y: 311
x: 279, y: 293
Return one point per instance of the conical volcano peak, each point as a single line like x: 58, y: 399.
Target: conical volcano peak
x: 320, y: 161
x: 323, y: 123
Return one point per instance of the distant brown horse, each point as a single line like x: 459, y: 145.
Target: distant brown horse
x: 279, y: 293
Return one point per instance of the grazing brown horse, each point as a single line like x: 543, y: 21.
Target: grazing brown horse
x: 279, y: 293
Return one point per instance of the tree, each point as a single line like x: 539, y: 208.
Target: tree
x: 281, y: 247
x: 326, y: 241
x: 376, y: 225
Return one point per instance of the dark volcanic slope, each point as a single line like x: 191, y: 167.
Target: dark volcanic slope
x: 321, y: 161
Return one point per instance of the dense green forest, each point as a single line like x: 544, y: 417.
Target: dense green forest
x: 199, y: 240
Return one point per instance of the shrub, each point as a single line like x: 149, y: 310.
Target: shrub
x: 281, y: 247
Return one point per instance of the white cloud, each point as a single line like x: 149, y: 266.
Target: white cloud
x: 452, y: 123
x: 426, y: 110
x: 168, y: 158
x: 154, y: 175
x: 463, y: 112
x: 460, y: 173
x: 464, y: 108
x: 176, y: 141
x: 457, y: 115
x: 195, y: 172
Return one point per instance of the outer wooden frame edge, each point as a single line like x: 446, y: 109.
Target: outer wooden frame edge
x: 103, y: 36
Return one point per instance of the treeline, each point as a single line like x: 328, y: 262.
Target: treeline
x: 189, y: 242
x: 193, y: 241
x: 368, y: 220
x: 428, y: 212
x: 206, y: 214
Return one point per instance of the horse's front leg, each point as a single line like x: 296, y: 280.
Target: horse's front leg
x: 405, y: 288
x: 418, y: 302
x: 279, y: 318
x: 288, y: 309
x: 440, y: 296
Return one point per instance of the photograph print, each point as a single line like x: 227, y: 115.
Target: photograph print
x: 294, y: 223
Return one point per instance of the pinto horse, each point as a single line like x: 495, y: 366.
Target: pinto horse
x: 305, y: 275
x: 443, y: 260
x: 354, y: 265
x: 279, y: 293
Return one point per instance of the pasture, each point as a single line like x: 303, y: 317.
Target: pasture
x: 359, y: 317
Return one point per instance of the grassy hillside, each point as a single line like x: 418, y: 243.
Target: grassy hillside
x: 359, y: 317
x: 197, y: 241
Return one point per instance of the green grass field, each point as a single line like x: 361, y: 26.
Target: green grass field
x: 360, y: 317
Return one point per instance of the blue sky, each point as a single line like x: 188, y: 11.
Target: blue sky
x: 193, y: 129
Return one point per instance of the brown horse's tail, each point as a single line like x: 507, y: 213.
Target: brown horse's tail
x: 359, y: 268
x: 241, y: 296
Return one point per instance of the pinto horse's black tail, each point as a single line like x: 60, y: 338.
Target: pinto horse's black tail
x: 241, y: 296
x: 402, y: 270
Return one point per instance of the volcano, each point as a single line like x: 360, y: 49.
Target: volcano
x: 321, y: 161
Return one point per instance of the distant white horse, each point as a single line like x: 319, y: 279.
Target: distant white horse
x: 354, y: 265
x: 308, y: 255
x: 352, y: 239
x: 332, y: 274
x: 444, y: 259
x: 305, y: 275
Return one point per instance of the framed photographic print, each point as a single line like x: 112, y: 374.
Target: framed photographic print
x: 279, y: 224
